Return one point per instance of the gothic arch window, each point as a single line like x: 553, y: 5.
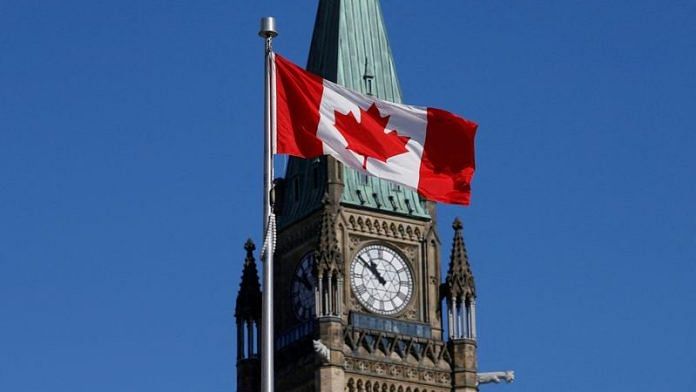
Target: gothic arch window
x: 350, y: 386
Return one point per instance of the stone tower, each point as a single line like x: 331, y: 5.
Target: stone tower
x: 358, y: 296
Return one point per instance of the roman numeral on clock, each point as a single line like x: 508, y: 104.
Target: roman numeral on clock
x: 360, y: 290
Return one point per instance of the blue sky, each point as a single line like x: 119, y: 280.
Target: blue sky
x: 130, y: 140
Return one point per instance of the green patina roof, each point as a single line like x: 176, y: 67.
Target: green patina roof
x: 350, y: 41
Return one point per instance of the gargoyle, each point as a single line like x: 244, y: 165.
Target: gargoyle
x: 496, y: 377
x: 321, y: 350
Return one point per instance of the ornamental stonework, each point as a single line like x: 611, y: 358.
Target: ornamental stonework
x: 407, y: 249
x: 365, y: 367
x: 383, y: 227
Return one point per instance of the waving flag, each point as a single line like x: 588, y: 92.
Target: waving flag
x: 427, y: 149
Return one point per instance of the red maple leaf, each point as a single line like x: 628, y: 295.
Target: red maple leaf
x: 367, y: 137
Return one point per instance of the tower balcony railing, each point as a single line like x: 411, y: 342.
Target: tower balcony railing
x: 294, y: 334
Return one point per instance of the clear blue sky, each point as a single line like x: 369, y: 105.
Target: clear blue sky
x: 130, y: 139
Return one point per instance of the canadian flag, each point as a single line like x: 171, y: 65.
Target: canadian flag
x: 427, y: 149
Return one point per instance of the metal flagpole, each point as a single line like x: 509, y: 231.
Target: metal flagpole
x: 267, y: 32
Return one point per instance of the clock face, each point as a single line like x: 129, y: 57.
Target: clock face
x: 381, y: 279
x: 302, y: 288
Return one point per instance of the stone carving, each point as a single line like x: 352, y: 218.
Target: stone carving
x: 366, y: 385
x: 328, y: 254
x: 496, y: 377
x: 394, y: 371
x: 321, y: 350
x: 348, y: 363
x: 383, y: 228
x: 378, y: 368
x: 397, y: 346
x: 354, y: 242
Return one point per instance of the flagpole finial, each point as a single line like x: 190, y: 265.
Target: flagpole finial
x: 268, y: 27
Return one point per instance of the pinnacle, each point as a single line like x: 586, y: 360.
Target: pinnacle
x: 328, y: 253
x: 249, y: 296
x: 326, y: 200
x: 249, y: 247
x: 460, y: 280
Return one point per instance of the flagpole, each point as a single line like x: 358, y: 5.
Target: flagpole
x: 267, y: 32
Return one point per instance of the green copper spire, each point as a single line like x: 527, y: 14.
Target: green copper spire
x: 350, y: 47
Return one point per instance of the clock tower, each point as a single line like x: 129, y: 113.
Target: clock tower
x: 359, y: 304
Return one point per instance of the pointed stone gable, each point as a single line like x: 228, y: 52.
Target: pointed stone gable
x: 460, y: 280
x: 328, y: 253
x: 249, y: 296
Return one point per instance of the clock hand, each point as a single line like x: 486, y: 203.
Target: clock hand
x: 306, y: 282
x: 373, y: 268
x: 381, y: 280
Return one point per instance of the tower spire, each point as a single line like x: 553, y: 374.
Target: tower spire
x: 460, y: 280
x: 249, y: 297
x: 346, y: 33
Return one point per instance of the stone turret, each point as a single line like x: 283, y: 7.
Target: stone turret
x: 248, y: 316
x: 329, y: 264
x: 459, y: 292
